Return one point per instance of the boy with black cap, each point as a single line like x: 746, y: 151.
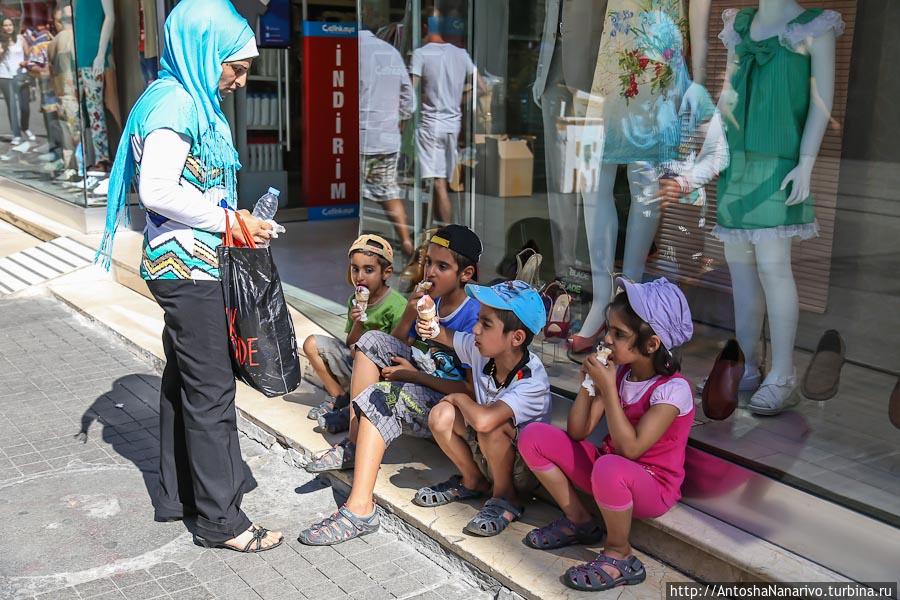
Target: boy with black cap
x: 395, y: 385
x: 478, y: 433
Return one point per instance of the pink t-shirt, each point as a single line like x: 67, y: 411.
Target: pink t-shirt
x: 676, y: 392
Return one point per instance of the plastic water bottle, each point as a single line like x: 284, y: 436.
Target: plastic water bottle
x: 267, y: 205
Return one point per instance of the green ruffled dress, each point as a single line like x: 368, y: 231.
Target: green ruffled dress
x: 772, y: 83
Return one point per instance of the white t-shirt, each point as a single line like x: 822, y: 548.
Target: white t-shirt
x: 385, y: 95
x: 443, y: 69
x: 676, y: 392
x: 9, y: 66
x: 527, y: 391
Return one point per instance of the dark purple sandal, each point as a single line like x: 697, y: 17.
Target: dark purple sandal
x: 590, y: 577
x: 563, y: 532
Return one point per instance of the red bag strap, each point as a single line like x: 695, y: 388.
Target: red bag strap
x: 248, y: 239
x: 229, y: 238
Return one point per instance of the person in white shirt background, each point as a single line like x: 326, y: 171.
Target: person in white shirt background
x: 386, y: 101
x: 13, y: 49
x: 443, y: 71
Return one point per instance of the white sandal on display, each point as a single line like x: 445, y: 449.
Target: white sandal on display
x: 774, y: 397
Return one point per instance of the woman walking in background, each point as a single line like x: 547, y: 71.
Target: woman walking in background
x: 13, y: 49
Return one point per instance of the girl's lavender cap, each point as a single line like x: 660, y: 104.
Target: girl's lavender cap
x: 663, y: 306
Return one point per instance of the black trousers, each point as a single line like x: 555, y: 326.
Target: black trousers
x: 201, y: 470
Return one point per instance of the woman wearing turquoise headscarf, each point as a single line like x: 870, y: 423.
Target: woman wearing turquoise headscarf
x: 178, y: 143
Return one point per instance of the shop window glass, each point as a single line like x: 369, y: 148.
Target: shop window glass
x: 653, y: 138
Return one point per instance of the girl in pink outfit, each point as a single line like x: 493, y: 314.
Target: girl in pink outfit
x: 638, y: 470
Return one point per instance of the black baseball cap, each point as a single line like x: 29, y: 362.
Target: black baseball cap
x: 460, y: 239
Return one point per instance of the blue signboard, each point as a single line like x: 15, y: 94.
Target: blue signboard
x: 327, y: 29
x: 275, y: 25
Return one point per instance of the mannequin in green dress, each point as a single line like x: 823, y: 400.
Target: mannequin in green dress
x: 776, y: 104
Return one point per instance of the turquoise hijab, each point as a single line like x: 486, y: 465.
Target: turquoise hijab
x: 199, y: 36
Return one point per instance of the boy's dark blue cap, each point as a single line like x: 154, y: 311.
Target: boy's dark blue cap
x: 516, y: 296
x: 460, y: 239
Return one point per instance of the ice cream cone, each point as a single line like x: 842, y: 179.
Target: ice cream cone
x: 362, y: 301
x: 427, y: 310
x: 603, y: 357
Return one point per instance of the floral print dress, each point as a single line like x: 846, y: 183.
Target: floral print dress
x: 640, y: 79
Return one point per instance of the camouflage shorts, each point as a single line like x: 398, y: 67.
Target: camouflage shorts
x: 396, y: 408
x: 523, y: 478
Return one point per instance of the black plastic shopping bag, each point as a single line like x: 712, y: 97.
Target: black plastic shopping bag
x: 263, y: 345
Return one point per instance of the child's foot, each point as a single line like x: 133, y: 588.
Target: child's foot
x: 448, y: 491
x: 607, y: 571
x: 494, y: 517
x: 326, y: 406
x: 564, y: 532
x: 335, y: 421
x: 338, y: 457
x: 343, y: 525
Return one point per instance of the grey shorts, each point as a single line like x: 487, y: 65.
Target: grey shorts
x: 523, y: 479
x: 337, y: 357
x: 379, y: 175
x: 394, y: 408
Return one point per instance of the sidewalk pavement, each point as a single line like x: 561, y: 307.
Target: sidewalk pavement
x: 78, y: 521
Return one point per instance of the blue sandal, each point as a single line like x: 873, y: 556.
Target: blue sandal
x: 590, y: 577
x: 563, y: 532
x: 443, y: 493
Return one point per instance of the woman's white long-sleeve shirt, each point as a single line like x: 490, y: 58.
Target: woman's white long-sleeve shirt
x: 184, y: 220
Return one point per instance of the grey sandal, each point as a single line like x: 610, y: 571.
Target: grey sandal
x: 443, y: 493
x: 326, y: 406
x: 343, y: 525
x: 563, y: 532
x: 590, y: 577
x: 492, y: 519
x: 339, y: 457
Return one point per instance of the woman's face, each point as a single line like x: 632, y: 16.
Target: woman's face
x: 8, y: 26
x: 234, y: 75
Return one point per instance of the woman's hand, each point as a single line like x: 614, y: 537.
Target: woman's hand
x: 260, y: 231
x: 604, y: 376
x: 402, y: 371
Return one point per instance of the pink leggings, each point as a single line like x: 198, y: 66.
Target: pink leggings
x: 616, y: 482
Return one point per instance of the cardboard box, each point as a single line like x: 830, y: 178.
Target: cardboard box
x: 508, y: 167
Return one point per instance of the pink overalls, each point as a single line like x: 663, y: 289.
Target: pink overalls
x: 650, y: 485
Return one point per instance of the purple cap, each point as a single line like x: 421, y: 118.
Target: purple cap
x: 663, y: 306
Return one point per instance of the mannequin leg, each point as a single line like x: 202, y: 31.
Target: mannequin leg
x: 749, y: 300
x: 92, y: 90
x: 562, y: 208
x: 602, y: 224
x: 773, y: 259
x: 643, y: 218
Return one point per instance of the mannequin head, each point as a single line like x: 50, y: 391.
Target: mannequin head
x: 9, y: 28
x: 234, y: 75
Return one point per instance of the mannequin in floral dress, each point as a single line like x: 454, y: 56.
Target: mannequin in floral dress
x: 641, y: 85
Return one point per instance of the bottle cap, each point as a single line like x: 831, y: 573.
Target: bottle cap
x: 274, y: 192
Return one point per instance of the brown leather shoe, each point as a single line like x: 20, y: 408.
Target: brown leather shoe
x: 720, y: 394
x: 823, y: 376
x: 894, y: 406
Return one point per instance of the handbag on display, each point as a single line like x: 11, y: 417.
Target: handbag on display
x: 720, y: 393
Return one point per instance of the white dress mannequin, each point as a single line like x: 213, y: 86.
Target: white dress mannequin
x: 572, y: 30
x: 601, y: 219
x: 758, y: 248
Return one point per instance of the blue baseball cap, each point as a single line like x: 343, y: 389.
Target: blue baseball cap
x: 517, y: 296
